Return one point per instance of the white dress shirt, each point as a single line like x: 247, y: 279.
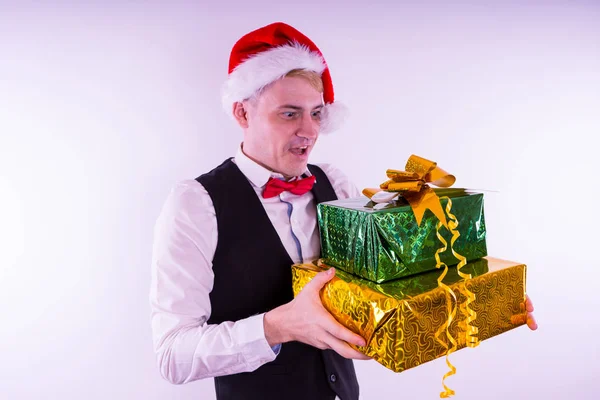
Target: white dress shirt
x: 185, y: 240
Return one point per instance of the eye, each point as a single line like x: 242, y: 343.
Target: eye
x: 316, y: 114
x: 289, y: 114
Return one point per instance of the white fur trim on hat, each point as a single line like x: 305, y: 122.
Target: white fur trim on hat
x: 263, y: 68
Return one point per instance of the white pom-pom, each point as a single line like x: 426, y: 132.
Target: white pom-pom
x: 333, y: 117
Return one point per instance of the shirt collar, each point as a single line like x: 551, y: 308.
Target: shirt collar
x: 256, y: 173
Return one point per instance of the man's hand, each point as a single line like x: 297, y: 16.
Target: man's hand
x: 529, y: 318
x: 305, y: 320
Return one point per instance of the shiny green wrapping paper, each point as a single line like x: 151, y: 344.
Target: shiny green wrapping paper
x: 386, y: 244
x: 399, y: 319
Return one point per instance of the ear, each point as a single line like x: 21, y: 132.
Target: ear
x: 240, y: 114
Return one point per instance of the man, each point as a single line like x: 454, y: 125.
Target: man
x: 221, y: 295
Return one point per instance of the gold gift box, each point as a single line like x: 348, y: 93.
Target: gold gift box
x: 399, y: 319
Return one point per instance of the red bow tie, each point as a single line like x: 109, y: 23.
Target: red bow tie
x: 276, y: 186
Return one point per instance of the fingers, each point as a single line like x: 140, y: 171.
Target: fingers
x: 340, y: 332
x: 518, y: 319
x: 361, y: 356
x: 531, y: 323
x: 528, y: 304
x: 342, y: 348
x: 320, y: 280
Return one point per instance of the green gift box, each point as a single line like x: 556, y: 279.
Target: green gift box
x: 382, y: 243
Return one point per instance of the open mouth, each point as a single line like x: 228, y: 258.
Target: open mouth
x: 299, y: 151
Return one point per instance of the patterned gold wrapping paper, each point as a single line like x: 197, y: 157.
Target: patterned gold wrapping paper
x: 399, y: 319
x: 385, y: 244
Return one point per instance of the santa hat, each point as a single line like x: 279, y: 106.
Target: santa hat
x: 268, y: 54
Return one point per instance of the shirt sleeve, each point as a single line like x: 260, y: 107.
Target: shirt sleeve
x: 186, y: 347
x: 342, y: 185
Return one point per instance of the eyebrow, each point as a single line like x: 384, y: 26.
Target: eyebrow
x: 299, y: 108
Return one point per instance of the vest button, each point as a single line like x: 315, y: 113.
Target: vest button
x: 333, y: 378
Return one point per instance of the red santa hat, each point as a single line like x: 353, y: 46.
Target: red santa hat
x: 268, y: 54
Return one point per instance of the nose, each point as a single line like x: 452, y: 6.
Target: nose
x: 309, y: 127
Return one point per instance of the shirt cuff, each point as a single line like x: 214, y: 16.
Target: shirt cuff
x: 257, y: 351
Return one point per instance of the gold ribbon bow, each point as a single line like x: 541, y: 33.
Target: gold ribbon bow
x: 412, y: 184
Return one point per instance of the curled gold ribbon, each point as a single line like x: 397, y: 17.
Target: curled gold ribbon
x: 413, y: 185
x: 471, y: 331
x: 467, y: 326
x: 451, y: 310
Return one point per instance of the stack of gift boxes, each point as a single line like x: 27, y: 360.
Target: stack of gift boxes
x: 415, y: 286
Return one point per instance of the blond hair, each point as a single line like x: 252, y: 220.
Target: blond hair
x: 311, y: 76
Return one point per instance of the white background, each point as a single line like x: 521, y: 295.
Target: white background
x: 103, y: 107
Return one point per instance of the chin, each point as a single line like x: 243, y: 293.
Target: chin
x: 295, y: 166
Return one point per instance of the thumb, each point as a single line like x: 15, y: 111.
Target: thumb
x: 320, y: 279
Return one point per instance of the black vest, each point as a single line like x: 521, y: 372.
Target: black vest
x: 252, y: 275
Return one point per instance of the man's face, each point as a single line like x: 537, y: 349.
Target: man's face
x: 283, y: 125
